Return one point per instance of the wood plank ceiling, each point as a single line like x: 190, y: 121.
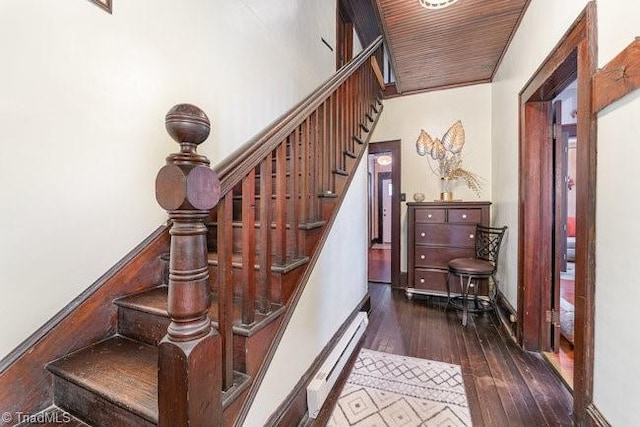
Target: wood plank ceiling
x: 459, y: 45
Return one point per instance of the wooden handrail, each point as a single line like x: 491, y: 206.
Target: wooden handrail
x: 237, y: 165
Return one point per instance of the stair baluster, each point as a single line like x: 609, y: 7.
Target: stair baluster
x: 248, y: 281
x: 225, y: 286
x: 264, y: 235
x: 293, y: 207
x: 280, y: 208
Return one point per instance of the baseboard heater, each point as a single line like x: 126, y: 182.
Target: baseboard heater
x: 319, y: 388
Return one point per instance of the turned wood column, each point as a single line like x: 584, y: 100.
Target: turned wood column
x: 189, y: 371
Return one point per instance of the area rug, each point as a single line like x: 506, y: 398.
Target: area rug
x: 390, y: 390
x: 567, y: 318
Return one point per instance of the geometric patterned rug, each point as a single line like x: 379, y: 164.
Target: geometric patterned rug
x: 389, y: 390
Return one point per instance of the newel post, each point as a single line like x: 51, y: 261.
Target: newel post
x: 189, y: 367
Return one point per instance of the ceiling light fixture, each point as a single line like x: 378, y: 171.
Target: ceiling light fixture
x: 384, y: 160
x: 436, y: 4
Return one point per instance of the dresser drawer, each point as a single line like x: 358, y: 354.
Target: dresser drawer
x: 430, y: 280
x: 469, y: 216
x: 426, y: 256
x: 445, y: 234
x: 430, y: 215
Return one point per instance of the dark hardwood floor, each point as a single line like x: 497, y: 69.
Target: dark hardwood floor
x: 505, y: 385
x: 380, y: 265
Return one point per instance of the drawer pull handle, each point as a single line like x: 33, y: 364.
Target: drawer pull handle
x: 464, y: 216
x: 471, y: 236
x: 422, y: 234
x: 421, y: 280
x: 429, y: 216
x: 422, y: 257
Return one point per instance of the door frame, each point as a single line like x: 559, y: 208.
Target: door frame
x: 576, y: 51
x: 393, y: 147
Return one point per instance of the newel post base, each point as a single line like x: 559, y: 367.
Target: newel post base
x: 187, y: 378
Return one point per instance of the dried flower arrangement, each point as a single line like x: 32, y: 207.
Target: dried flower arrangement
x: 445, y: 157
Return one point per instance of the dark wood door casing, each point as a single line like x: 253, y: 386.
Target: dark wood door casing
x: 575, y: 52
x: 393, y: 148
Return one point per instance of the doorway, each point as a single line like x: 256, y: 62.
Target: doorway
x: 564, y: 146
x: 539, y: 216
x: 384, y: 195
x: 384, y: 212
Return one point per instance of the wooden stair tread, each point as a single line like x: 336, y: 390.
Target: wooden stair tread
x: 341, y: 171
x: 236, y: 262
x: 122, y: 371
x: 155, y: 301
x: 258, y: 196
x: 304, y: 225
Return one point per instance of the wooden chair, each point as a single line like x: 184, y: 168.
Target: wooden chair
x: 482, y: 266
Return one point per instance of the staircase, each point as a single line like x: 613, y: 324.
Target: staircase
x: 244, y: 236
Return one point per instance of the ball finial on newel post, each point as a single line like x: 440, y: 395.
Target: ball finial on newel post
x: 189, y: 390
x: 187, y: 123
x: 186, y: 181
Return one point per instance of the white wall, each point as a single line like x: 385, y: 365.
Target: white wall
x: 617, y: 292
x: 617, y: 229
x: 435, y: 112
x: 82, y: 105
x: 336, y: 285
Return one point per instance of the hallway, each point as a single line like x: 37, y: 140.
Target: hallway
x: 505, y: 386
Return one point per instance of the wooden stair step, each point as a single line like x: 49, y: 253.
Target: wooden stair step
x: 144, y: 315
x: 121, y: 372
x: 274, y: 174
x: 115, y: 382
x: 328, y: 195
x: 351, y: 154
x: 289, y: 264
x: 257, y: 196
x: 303, y: 226
x: 340, y: 171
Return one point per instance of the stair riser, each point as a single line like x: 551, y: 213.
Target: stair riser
x: 255, y: 348
x: 146, y: 327
x: 150, y: 329
x: 92, y: 408
x: 328, y: 206
x: 277, y: 280
x: 212, y: 238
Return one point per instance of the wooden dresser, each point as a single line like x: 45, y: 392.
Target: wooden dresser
x: 436, y: 233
